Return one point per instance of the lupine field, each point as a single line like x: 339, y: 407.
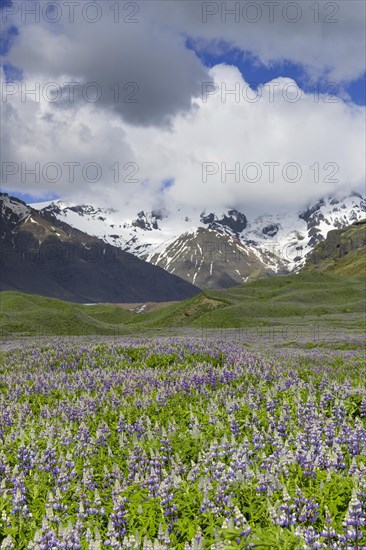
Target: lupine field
x: 181, y: 443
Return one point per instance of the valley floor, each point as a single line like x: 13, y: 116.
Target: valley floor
x: 339, y: 332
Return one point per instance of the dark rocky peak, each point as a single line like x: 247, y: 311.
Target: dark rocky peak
x: 13, y: 211
x: 147, y: 222
x: 237, y: 221
x: 234, y: 220
x: 7, y: 202
x: 89, y: 210
x: 207, y: 219
x: 52, y: 208
x: 307, y: 214
x: 271, y: 230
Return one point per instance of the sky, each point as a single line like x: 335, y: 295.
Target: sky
x: 256, y: 105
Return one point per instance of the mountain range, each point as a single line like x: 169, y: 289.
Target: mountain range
x: 214, y: 249
x: 43, y: 255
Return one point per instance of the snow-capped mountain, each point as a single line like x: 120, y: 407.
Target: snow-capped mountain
x: 13, y: 212
x: 215, y: 249
x: 40, y: 254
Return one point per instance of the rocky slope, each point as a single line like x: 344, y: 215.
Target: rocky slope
x: 343, y: 252
x: 41, y: 254
x: 215, y: 249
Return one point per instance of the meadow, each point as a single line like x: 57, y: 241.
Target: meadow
x: 184, y: 443
x: 302, y: 300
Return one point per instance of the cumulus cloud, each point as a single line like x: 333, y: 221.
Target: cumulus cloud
x: 140, y: 70
x: 326, y: 38
x: 73, y: 153
x: 317, y: 147
x: 279, y: 148
x: 171, y: 132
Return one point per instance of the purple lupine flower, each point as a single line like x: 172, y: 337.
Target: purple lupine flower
x: 19, y: 498
x: 355, y: 519
x: 311, y: 539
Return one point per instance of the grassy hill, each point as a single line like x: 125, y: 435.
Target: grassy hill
x: 343, y: 252
x: 32, y: 314
x: 280, y: 299
x: 303, y: 295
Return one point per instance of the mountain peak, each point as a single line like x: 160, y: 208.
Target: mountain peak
x: 278, y: 241
x: 42, y: 254
x: 234, y: 220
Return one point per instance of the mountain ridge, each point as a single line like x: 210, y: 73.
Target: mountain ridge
x: 43, y: 255
x: 343, y: 252
x: 216, y: 249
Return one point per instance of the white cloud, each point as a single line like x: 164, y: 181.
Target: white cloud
x: 327, y: 38
x: 170, y: 132
x: 272, y: 129
x: 305, y: 132
x: 156, y: 74
x: 38, y: 133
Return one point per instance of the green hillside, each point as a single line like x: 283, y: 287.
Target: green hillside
x: 266, y: 301
x: 303, y: 295
x: 343, y: 252
x: 32, y: 314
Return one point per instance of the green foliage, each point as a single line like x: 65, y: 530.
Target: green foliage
x: 169, y: 417
x: 263, y: 303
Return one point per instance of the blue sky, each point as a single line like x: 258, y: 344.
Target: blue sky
x: 26, y: 197
x: 255, y: 73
